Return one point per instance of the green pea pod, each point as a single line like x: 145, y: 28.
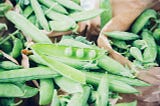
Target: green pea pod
x: 17, y: 47
x: 8, y: 65
x: 28, y: 11
x: 80, y: 99
x: 103, y: 92
x: 129, y: 81
x: 68, y: 85
x: 10, y: 90
x: 114, y: 85
x: 117, y: 68
x: 39, y: 14
x: 142, y: 20
x: 140, y: 44
x: 64, y: 70
x: 22, y: 24
x: 136, y: 53
x: 46, y: 91
x: 119, y: 43
x: 61, y: 51
x: 121, y: 35
x: 27, y: 74
x: 107, y: 14
x: 70, y: 5
x: 127, y: 104
x: 28, y: 91
x: 86, y: 15
x: 62, y: 25
x: 156, y: 35
x: 55, y: 6
x: 150, y: 52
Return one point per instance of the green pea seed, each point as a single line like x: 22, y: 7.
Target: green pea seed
x: 92, y: 54
x: 80, y: 53
x: 68, y: 51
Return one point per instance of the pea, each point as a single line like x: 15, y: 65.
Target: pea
x: 92, y: 54
x: 68, y: 51
x: 80, y: 53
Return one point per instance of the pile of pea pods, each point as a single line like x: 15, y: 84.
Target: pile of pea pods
x: 73, y: 71
x: 140, y: 44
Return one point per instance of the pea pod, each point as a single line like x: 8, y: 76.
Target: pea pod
x: 60, y: 51
x: 70, y: 5
x: 27, y: 11
x: 6, y: 47
x: 150, y: 52
x: 22, y: 24
x: 55, y: 6
x: 61, y: 25
x: 17, y: 47
x: 114, y: 85
x: 46, y: 91
x: 140, y: 44
x: 118, y: 69
x: 129, y: 81
x: 121, y: 35
x: 39, y: 14
x: 142, y: 20
x: 85, y: 15
x: 8, y: 65
x: 8, y: 90
x: 103, y: 92
x: 136, y: 53
x: 119, y: 43
x: 27, y: 74
x: 107, y: 14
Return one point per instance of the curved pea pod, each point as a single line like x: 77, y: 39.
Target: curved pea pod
x: 136, y: 53
x: 22, y: 24
x: 27, y: 74
x: 17, y: 47
x: 116, y: 68
x: 10, y: 90
x: 121, y: 35
x: 85, y: 15
x: 70, y: 5
x: 46, y: 91
x: 8, y: 65
x: 140, y: 44
x: 55, y: 6
x: 103, y: 92
x: 127, y: 104
x: 156, y: 35
x: 150, y: 53
x: 142, y: 20
x: 107, y: 14
x: 54, y: 50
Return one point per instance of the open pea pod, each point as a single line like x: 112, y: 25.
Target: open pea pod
x: 67, y: 52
